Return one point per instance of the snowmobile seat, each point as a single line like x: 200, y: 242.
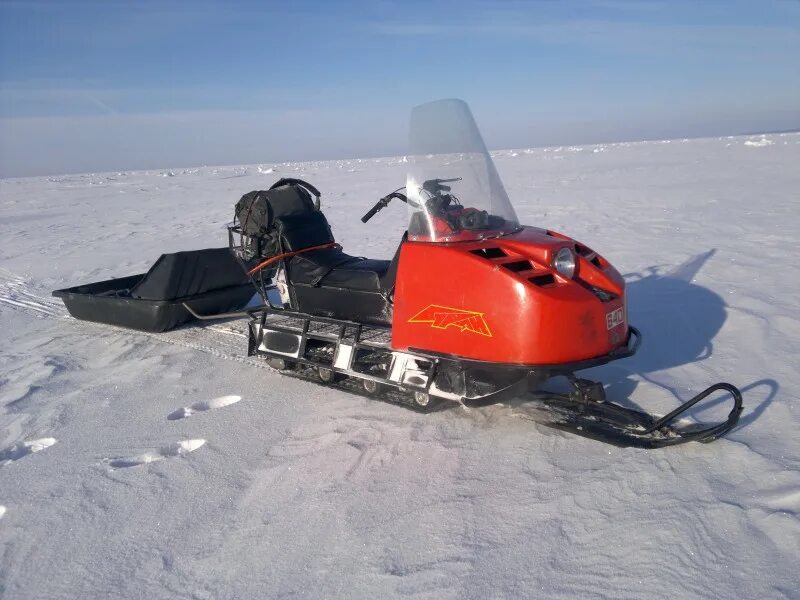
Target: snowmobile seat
x: 330, y: 267
x: 333, y: 268
x: 324, y: 280
x: 331, y: 283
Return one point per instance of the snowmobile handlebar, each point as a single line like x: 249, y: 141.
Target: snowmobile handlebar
x: 381, y: 204
x: 435, y: 187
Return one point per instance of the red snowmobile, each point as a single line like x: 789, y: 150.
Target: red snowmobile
x: 473, y: 308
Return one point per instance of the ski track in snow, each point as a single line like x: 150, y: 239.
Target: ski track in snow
x: 305, y: 488
x: 221, y: 340
x: 15, y: 292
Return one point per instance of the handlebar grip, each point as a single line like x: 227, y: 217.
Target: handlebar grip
x: 372, y: 211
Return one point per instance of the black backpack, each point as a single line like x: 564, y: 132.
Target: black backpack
x: 265, y: 217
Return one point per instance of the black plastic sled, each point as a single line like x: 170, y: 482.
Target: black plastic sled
x: 208, y: 281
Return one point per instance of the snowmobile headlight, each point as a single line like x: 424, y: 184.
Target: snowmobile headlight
x: 564, y: 262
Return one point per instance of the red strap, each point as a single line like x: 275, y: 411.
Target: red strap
x: 271, y: 260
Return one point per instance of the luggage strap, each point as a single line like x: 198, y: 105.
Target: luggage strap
x: 278, y: 257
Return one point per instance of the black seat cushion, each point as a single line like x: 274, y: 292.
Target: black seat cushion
x: 330, y: 267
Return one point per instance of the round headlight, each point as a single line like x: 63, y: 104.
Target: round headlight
x: 564, y: 262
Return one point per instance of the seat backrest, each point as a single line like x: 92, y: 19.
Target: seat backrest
x: 303, y: 230
x: 290, y: 200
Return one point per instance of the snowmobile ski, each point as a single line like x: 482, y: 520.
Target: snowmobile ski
x: 585, y: 412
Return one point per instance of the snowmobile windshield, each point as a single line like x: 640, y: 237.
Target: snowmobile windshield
x: 454, y: 191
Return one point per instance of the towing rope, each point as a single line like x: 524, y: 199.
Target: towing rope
x: 278, y: 257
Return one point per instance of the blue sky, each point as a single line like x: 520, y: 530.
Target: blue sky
x: 104, y: 85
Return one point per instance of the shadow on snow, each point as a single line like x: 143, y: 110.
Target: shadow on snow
x: 678, y: 320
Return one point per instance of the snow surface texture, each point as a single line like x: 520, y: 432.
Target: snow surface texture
x: 278, y: 488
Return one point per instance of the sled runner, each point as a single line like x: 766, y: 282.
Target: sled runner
x: 473, y: 308
x: 208, y: 281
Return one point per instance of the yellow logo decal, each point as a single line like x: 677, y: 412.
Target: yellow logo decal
x: 442, y: 317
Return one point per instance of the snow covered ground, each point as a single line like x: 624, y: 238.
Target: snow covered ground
x: 144, y: 466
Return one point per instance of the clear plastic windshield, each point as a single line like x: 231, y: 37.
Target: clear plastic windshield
x: 454, y: 191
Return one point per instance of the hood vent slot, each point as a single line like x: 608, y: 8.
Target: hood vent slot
x: 490, y: 253
x: 589, y: 255
x: 543, y: 280
x: 518, y: 266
